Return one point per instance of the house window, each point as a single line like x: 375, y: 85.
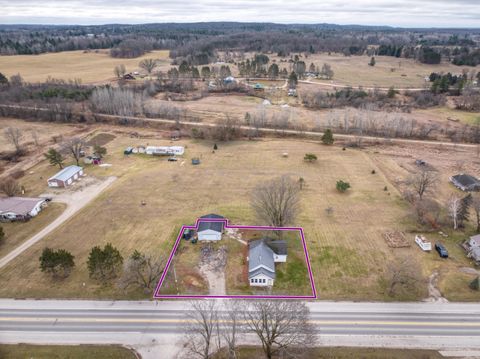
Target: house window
x: 251, y: 280
x: 263, y: 280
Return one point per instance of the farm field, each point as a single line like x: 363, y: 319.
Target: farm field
x: 21, y: 351
x: 89, y: 67
x: 345, y: 244
x: 388, y: 71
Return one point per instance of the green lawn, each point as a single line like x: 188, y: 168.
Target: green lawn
x: 23, y: 351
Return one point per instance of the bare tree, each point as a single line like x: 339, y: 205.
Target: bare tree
x: 403, y: 275
x: 201, y: 328
x: 232, y: 317
x: 454, y: 209
x: 283, y: 327
x: 35, y: 138
x: 10, y: 187
x: 148, y: 65
x: 476, y: 209
x: 277, y: 202
x: 226, y: 129
x: 141, y: 270
x: 423, y: 182
x: 14, y: 135
x: 74, y: 147
x: 119, y: 70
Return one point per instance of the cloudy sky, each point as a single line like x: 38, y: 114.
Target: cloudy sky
x: 407, y: 13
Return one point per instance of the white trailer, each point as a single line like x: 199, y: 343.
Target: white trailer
x: 423, y: 243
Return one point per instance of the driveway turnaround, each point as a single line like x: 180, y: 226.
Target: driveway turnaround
x: 75, y: 201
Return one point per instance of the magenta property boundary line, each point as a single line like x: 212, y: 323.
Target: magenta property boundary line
x: 157, y: 294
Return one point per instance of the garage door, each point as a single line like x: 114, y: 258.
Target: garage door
x: 208, y: 237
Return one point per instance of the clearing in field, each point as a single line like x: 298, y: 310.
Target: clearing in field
x: 220, y: 270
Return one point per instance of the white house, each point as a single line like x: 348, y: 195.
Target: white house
x: 210, y: 227
x: 262, y: 256
x: 19, y: 208
x: 165, y: 150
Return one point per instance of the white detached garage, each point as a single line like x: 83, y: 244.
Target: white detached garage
x: 65, y: 177
x: 210, y: 227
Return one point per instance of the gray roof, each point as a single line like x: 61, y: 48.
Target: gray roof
x: 278, y: 246
x: 216, y: 226
x: 19, y: 205
x: 66, y: 173
x: 466, y: 180
x: 259, y: 254
x: 475, y: 237
x: 263, y: 271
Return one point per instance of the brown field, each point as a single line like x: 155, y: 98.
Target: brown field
x: 388, y: 71
x: 346, y: 247
x: 21, y: 351
x: 89, y: 67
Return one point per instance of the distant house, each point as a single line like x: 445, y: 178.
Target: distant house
x: 472, y: 246
x: 465, y: 182
x: 262, y: 256
x: 210, y: 227
x: 20, y: 208
x: 65, y: 177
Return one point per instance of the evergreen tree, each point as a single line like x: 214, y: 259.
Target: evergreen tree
x: 463, y: 214
x: 327, y: 137
x: 3, y: 79
x: 99, y: 151
x: 205, y: 72
x: 195, y: 73
x: 372, y: 61
x: 273, y: 71
x: 104, y: 264
x: 292, y: 80
x: 58, y: 263
x: 475, y: 284
x: 342, y: 186
x: 54, y: 157
x: 310, y: 157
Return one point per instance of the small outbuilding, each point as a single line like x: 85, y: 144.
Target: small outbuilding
x: 210, y: 227
x: 66, y: 176
x: 465, y: 182
x: 20, y: 208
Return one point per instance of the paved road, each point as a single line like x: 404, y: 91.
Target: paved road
x: 75, y: 201
x: 154, y: 327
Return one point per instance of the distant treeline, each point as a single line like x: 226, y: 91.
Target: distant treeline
x: 198, y: 43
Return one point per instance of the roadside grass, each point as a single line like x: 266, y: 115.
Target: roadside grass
x: 18, y: 232
x: 89, y: 67
x: 248, y: 352
x: 176, y: 193
x: 22, y: 351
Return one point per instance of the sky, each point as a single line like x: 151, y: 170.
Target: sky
x: 401, y: 13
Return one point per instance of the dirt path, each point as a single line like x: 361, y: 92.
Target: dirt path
x: 75, y: 201
x: 434, y: 294
x: 212, y: 267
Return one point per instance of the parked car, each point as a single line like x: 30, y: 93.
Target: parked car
x: 442, y: 251
x: 172, y: 159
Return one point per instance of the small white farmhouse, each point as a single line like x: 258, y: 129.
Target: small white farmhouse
x: 262, y: 256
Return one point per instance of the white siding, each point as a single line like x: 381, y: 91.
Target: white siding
x: 209, y: 235
x: 261, y: 280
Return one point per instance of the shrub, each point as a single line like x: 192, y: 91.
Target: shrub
x: 342, y: 186
x: 327, y: 137
x: 310, y: 157
x: 58, y: 263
